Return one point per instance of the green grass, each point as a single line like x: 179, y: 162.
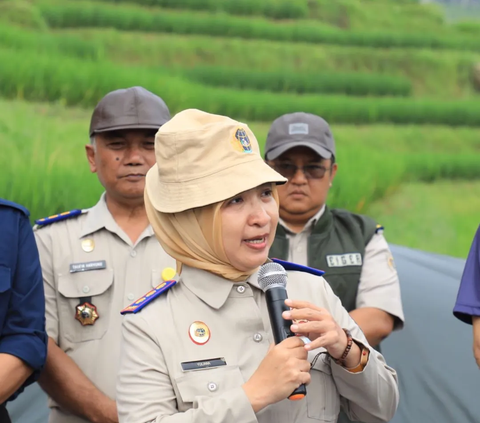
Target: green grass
x: 22, y: 13
x: 446, y: 75
x: 276, y: 9
x: 354, y: 83
x: 131, y: 18
x: 46, y: 170
x: 426, y: 69
x: 43, y: 162
x: 440, y: 217
x: 24, y: 41
x: 354, y: 14
x: 384, y: 15
x: 80, y: 82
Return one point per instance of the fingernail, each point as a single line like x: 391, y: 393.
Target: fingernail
x: 308, y: 347
x: 294, y: 328
x: 288, y: 302
x: 287, y: 315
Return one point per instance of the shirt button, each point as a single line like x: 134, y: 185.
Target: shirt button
x: 133, y: 253
x: 212, y: 386
x: 240, y: 289
x: 131, y: 297
x: 86, y: 289
x: 257, y: 337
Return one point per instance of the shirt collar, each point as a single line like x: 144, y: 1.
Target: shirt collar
x: 308, y: 226
x: 210, y: 288
x: 99, y: 217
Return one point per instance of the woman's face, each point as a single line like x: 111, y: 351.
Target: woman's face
x: 249, y: 221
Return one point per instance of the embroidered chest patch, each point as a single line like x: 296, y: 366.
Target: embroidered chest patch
x: 344, y: 260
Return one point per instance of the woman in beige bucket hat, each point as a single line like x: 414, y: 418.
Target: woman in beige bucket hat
x: 201, y: 352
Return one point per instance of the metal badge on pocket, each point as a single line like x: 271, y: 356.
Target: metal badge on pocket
x: 86, y: 313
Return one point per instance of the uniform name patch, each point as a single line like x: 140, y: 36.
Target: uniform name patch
x: 203, y: 364
x: 344, y: 260
x: 89, y: 265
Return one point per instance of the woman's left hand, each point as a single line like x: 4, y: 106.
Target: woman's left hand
x: 318, y: 325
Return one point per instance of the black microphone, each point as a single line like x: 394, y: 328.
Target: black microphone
x: 272, y: 278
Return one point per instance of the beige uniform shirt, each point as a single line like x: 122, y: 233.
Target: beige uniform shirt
x: 379, y: 286
x: 153, y: 386
x: 94, y: 240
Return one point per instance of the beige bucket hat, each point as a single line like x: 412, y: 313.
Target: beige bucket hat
x: 201, y: 159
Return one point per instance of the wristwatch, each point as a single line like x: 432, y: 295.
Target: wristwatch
x: 364, y: 354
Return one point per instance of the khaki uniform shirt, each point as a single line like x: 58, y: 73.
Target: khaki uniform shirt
x: 153, y: 386
x: 129, y: 271
x: 379, y: 286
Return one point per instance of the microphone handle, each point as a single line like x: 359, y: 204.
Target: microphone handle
x: 281, y: 327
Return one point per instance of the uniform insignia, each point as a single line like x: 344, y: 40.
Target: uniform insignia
x: 86, y: 314
x: 391, y: 262
x: 293, y: 266
x: 148, y: 297
x: 88, y: 245
x: 58, y: 217
x: 241, y: 142
x: 379, y: 229
x: 199, y: 333
x: 168, y: 274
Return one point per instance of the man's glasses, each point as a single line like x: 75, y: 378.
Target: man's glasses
x: 288, y: 170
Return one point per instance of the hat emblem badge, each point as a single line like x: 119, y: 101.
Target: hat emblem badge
x: 241, y: 142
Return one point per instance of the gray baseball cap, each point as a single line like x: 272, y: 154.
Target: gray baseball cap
x: 130, y: 108
x: 299, y: 130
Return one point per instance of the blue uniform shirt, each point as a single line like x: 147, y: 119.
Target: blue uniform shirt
x: 468, y: 299
x: 22, y: 301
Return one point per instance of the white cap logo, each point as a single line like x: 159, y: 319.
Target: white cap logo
x: 298, y: 128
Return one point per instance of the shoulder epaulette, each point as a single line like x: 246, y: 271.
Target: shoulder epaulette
x: 148, y: 297
x: 379, y: 229
x: 13, y: 205
x: 298, y: 267
x: 58, y: 217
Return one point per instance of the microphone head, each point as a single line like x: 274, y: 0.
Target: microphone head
x: 272, y: 275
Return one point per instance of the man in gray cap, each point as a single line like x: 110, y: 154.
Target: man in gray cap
x: 97, y: 261
x: 349, y: 247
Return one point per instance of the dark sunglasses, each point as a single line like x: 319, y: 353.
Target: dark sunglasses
x: 288, y: 170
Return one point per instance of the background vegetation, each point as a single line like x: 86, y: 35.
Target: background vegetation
x: 396, y: 80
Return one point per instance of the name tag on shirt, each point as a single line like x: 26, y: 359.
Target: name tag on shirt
x: 344, y: 260
x: 203, y: 364
x: 89, y: 265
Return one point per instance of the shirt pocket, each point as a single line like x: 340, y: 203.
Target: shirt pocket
x: 323, y: 400
x: 97, y: 286
x: 206, y: 383
x: 5, y: 292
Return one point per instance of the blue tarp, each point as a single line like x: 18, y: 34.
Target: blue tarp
x: 439, y: 379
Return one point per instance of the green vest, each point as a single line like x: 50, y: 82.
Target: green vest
x: 336, y: 246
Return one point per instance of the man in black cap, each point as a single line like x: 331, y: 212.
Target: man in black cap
x: 97, y: 261
x: 350, y: 248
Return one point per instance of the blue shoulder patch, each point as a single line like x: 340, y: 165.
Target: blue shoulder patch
x: 293, y: 266
x: 148, y: 297
x: 379, y: 229
x: 13, y: 205
x: 57, y: 217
